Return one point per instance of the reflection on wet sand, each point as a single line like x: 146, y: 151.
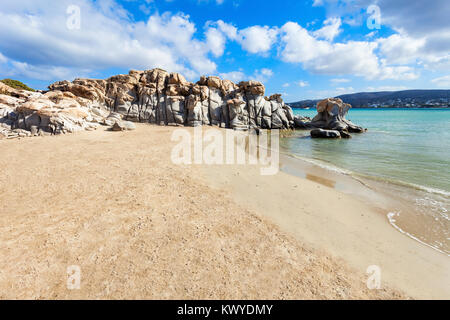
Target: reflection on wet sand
x: 321, y: 180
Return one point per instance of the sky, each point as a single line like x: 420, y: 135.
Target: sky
x: 303, y: 49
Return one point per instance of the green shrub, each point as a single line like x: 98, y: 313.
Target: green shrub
x: 15, y: 84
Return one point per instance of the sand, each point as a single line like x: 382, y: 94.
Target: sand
x: 140, y: 227
x: 358, y: 232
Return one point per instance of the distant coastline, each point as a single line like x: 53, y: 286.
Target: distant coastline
x: 381, y: 107
x: 389, y: 99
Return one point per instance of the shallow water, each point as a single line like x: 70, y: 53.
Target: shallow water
x: 406, y: 152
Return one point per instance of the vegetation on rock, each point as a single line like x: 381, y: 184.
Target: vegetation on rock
x: 15, y: 84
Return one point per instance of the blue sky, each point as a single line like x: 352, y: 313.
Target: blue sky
x: 303, y: 49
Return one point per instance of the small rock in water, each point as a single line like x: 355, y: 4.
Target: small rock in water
x: 321, y: 133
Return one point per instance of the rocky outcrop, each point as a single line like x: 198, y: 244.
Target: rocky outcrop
x: 331, y: 117
x: 152, y: 96
x: 156, y: 96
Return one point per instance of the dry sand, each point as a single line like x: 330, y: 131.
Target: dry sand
x: 140, y: 227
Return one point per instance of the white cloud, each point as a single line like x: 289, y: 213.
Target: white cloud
x: 35, y: 42
x: 442, y: 82
x: 400, y: 49
x: 421, y: 18
x: 263, y: 75
x: 257, y: 39
x: 321, y: 94
x: 108, y: 38
x: 235, y: 76
x: 423, y: 29
x: 254, y: 39
x: 3, y: 59
x: 397, y: 72
x: 323, y: 57
x: 428, y: 51
x: 303, y: 84
x: 228, y: 29
x: 386, y: 88
x: 216, y: 41
x: 339, y: 80
x: 15, y: 68
x: 330, y: 29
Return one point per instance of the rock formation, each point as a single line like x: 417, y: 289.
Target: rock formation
x: 330, y: 120
x: 153, y: 96
x: 156, y: 96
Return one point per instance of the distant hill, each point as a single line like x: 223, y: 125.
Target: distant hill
x: 407, y: 98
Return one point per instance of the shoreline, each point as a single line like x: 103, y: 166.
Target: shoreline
x: 367, y: 234
x: 114, y: 204
x: 376, y: 191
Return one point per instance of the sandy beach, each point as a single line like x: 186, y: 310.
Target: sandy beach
x: 140, y: 227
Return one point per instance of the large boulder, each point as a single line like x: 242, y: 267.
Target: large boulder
x: 331, y: 115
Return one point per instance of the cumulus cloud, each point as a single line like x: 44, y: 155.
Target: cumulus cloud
x: 422, y: 28
x: 418, y: 18
x: 401, y: 48
x: 235, y: 76
x: 12, y: 68
x: 228, y: 29
x: 324, y: 57
x: 331, y: 28
x: 254, y: 39
x: 108, y: 37
x: 262, y: 75
x: 257, y: 39
x: 216, y: 41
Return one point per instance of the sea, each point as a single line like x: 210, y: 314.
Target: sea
x: 404, y: 156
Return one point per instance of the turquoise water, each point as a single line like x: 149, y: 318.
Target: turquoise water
x: 404, y: 145
x: 405, y: 155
